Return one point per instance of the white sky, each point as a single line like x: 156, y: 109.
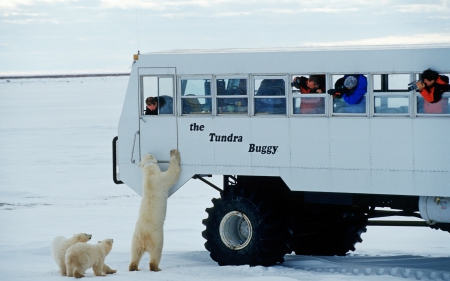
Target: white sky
x: 78, y: 36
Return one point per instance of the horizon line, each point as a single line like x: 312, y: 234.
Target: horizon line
x: 64, y: 75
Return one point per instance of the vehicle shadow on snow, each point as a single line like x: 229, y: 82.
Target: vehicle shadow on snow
x: 406, y: 266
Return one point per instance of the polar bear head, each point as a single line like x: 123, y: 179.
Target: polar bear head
x: 106, y: 244
x: 83, y: 237
x: 148, y: 158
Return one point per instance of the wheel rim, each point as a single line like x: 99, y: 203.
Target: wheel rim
x: 235, y: 230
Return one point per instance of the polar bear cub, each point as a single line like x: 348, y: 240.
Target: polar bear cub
x: 60, y: 245
x: 148, y: 233
x: 82, y: 256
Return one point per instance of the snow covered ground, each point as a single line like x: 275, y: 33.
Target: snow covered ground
x: 56, y: 179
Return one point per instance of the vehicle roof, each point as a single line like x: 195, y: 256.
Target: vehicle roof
x: 302, y: 49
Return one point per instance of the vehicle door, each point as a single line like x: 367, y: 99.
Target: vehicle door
x: 158, y: 133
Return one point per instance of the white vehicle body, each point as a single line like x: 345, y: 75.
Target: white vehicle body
x: 385, y: 154
x: 393, y: 148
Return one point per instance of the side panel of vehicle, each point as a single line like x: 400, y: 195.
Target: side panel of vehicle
x: 128, y: 130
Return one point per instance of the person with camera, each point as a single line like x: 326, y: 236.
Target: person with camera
x: 431, y: 87
x: 313, y: 84
x: 352, y: 89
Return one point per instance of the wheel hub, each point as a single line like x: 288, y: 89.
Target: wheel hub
x: 235, y: 230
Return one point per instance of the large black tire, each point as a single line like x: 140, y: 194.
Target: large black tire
x: 327, y: 230
x: 245, y: 227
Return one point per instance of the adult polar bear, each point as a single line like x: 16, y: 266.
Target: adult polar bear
x: 148, y: 234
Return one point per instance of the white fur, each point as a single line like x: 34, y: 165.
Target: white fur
x: 148, y: 234
x: 82, y: 256
x: 60, y: 245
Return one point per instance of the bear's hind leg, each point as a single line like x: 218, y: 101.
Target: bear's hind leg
x: 155, y: 254
x: 62, y: 268
x: 108, y: 270
x: 69, y: 271
x: 136, y: 254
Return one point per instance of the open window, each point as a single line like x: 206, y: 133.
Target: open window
x: 270, y: 94
x: 232, y: 95
x: 426, y: 108
x: 160, y: 89
x: 196, y: 96
x: 350, y: 96
x: 308, y: 92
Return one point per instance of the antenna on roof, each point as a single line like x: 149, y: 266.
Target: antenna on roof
x: 137, y: 28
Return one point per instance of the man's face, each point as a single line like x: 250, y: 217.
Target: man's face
x: 311, y: 84
x: 152, y: 106
x: 428, y: 82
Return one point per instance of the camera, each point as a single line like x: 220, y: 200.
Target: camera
x: 339, y: 89
x: 296, y: 83
x: 413, y: 86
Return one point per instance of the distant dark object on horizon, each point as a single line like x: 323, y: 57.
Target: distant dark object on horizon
x: 65, y: 75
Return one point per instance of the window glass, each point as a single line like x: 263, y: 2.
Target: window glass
x: 440, y: 107
x: 309, y: 105
x: 161, y: 90
x: 350, y: 93
x: 390, y: 82
x: 398, y: 82
x: 391, y: 104
x: 308, y: 85
x: 377, y: 83
x: 389, y: 98
x: 232, y: 96
x: 270, y: 95
x: 196, y: 87
x: 196, y: 96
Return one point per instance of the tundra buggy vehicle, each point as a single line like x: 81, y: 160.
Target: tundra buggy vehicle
x: 304, y: 171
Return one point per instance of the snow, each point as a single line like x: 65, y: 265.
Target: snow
x: 56, y: 179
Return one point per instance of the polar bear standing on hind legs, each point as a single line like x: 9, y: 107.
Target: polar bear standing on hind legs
x: 148, y: 234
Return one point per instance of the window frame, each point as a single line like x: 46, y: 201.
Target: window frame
x: 286, y: 95
x: 314, y: 95
x: 142, y: 104
x: 216, y: 96
x: 368, y: 95
x: 180, y: 98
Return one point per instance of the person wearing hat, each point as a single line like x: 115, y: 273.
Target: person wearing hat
x: 352, y: 89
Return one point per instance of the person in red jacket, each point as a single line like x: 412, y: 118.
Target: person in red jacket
x: 431, y: 88
x: 313, y: 84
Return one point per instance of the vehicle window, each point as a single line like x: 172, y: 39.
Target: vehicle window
x: 161, y: 89
x: 309, y: 92
x: 391, y: 95
x: 349, y: 100
x: 232, y: 96
x: 270, y: 95
x: 440, y: 107
x: 196, y: 96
